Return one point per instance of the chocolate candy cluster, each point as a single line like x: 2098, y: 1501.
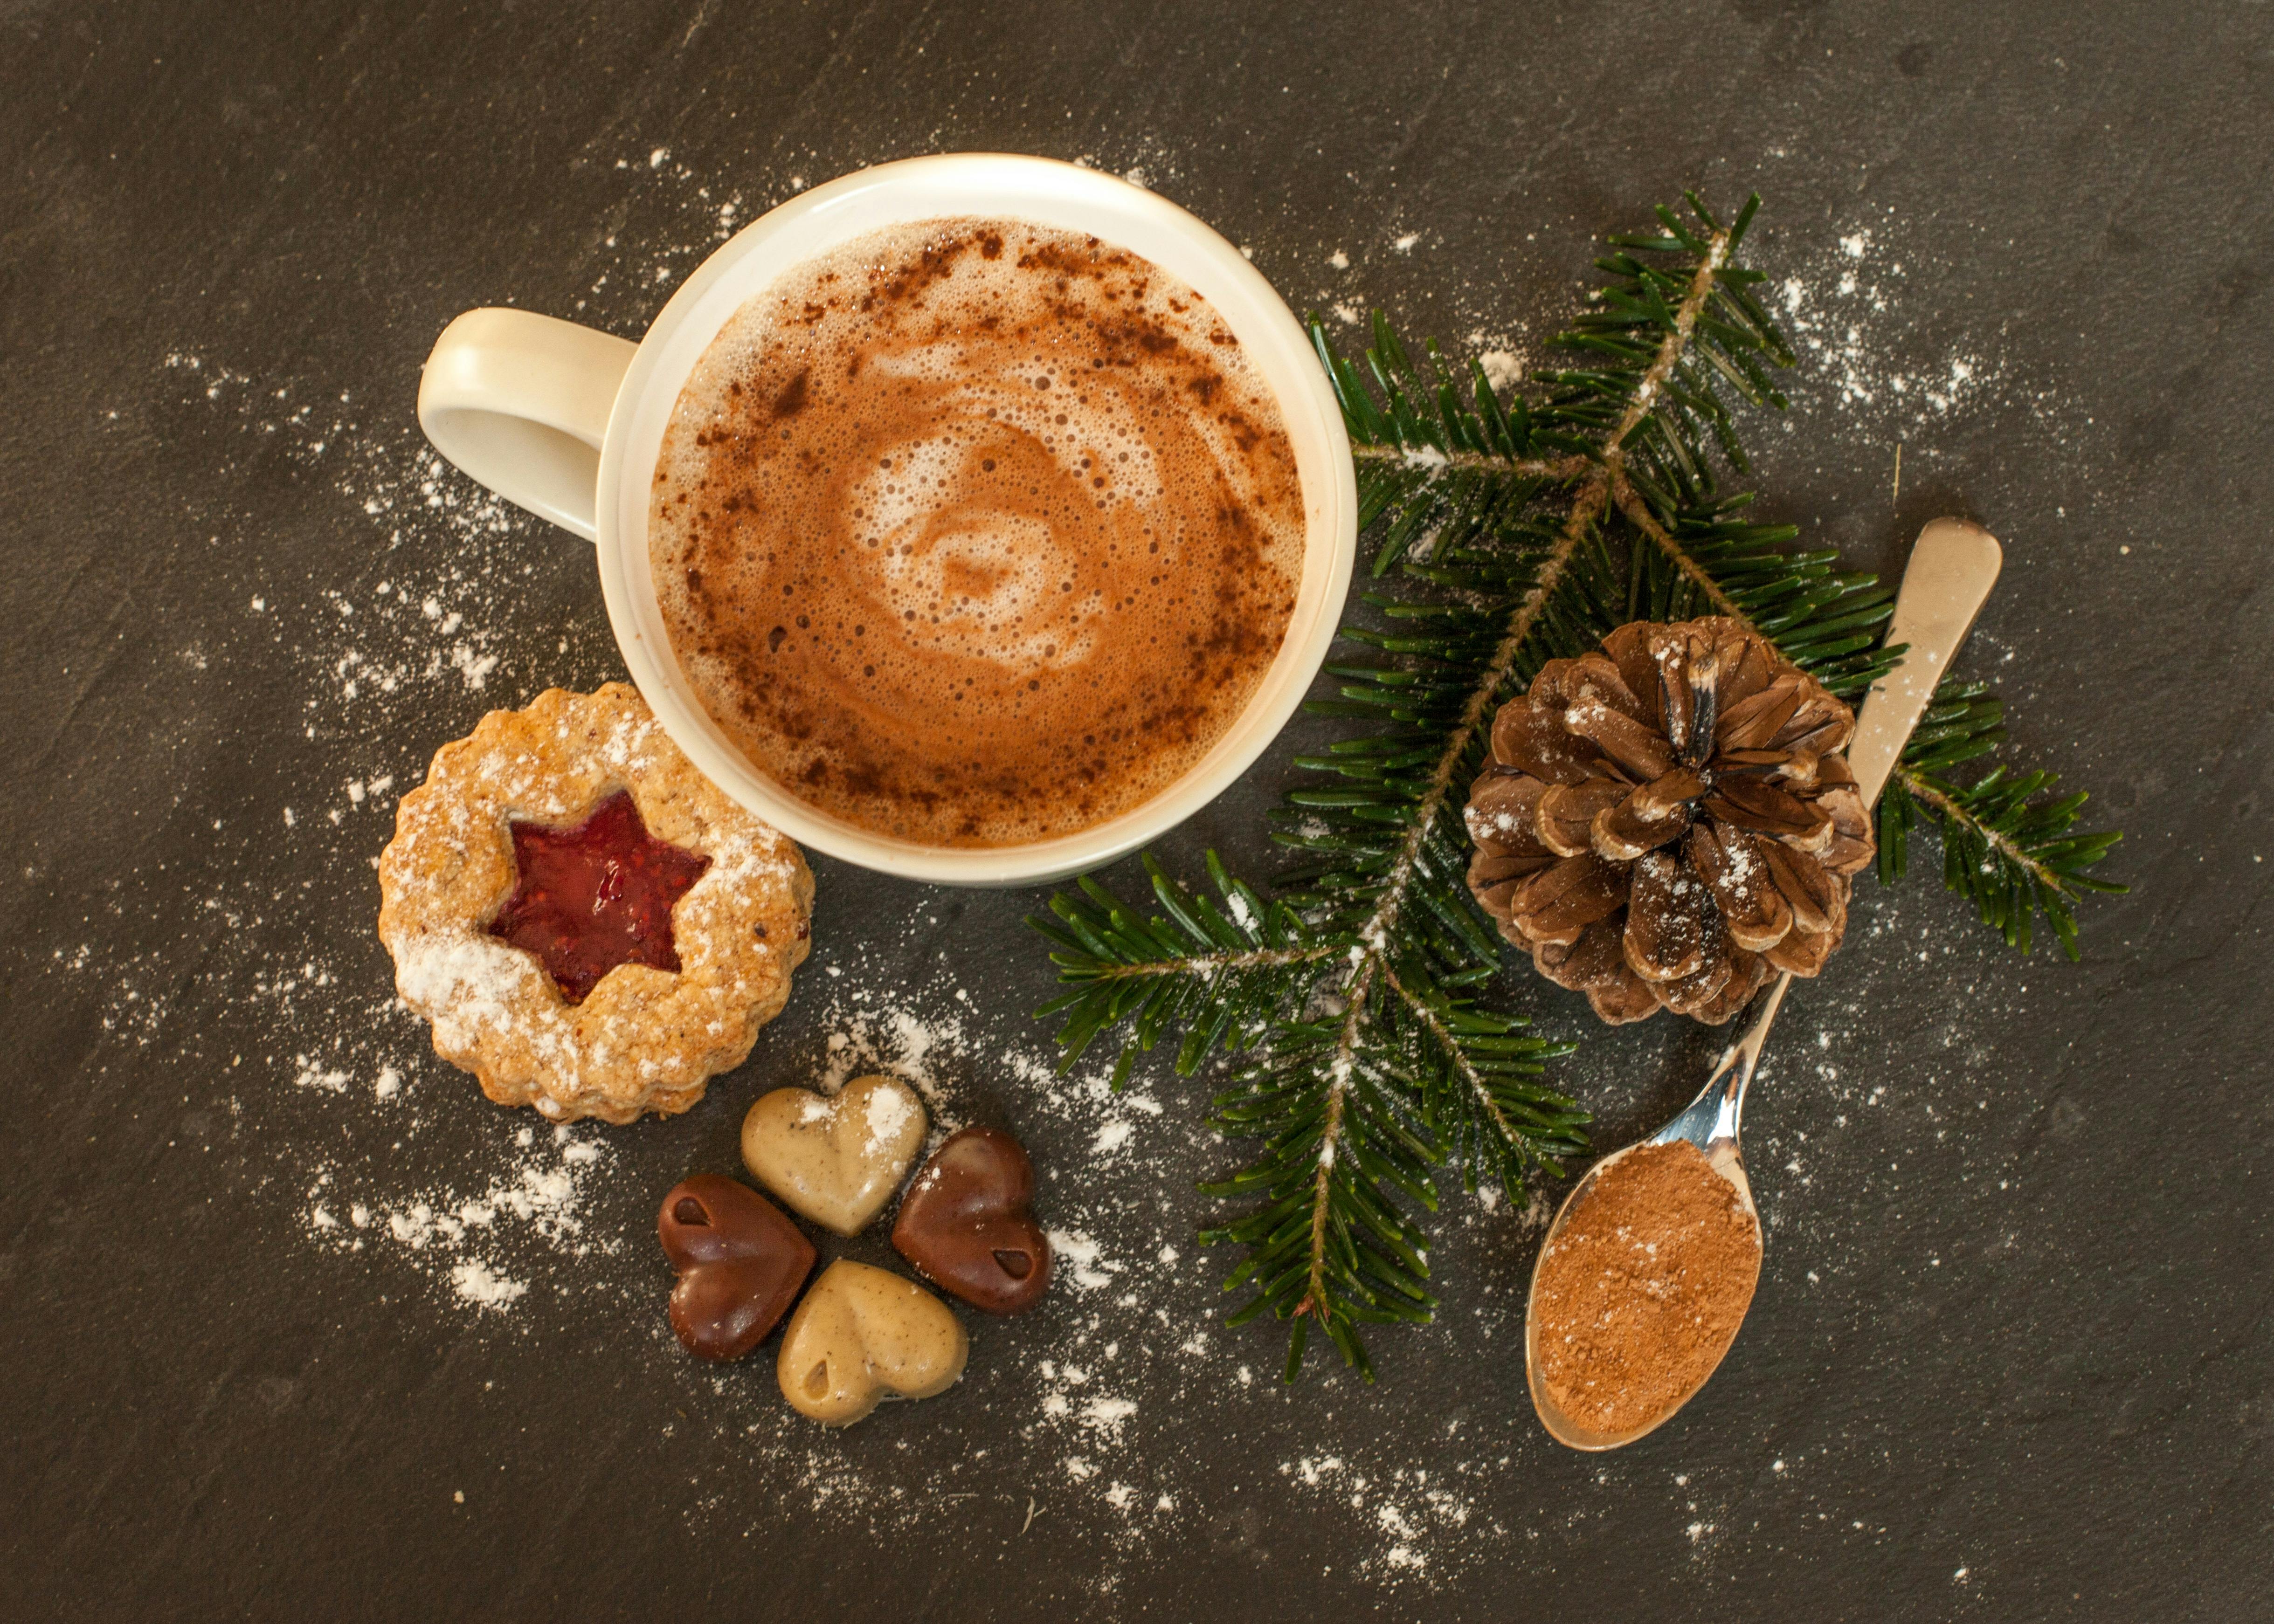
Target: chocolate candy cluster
x: 862, y: 1334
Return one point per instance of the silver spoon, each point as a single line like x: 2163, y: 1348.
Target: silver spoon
x: 1951, y: 571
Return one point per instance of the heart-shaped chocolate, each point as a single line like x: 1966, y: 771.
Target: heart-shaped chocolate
x: 862, y: 1336
x: 739, y: 1262
x: 964, y: 1222
x: 836, y: 1159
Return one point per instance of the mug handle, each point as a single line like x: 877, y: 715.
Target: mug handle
x: 521, y: 401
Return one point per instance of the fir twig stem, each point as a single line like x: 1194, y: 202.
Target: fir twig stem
x: 1564, y: 468
x: 1376, y: 932
x: 1207, y: 964
x: 1459, y: 1058
x: 1330, y: 1131
x: 1646, y: 395
x: 1584, y: 510
x: 1710, y: 265
x: 1953, y: 811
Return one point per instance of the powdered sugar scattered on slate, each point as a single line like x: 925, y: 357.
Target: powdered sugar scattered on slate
x: 1835, y: 306
x: 321, y: 1101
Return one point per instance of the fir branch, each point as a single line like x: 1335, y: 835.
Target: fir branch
x: 1405, y: 1067
x: 1526, y: 526
x: 1225, y: 973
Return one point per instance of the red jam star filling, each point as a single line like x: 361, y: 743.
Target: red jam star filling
x: 588, y: 898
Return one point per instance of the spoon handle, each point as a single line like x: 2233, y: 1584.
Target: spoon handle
x: 1951, y: 569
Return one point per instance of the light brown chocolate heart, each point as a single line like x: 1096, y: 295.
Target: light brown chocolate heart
x: 863, y: 1336
x: 836, y: 1159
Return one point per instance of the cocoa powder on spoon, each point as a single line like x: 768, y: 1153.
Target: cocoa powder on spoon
x: 1644, y: 1288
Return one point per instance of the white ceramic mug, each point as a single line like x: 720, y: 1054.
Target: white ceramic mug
x: 568, y: 423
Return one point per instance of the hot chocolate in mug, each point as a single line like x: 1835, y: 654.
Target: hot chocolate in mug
x: 568, y: 423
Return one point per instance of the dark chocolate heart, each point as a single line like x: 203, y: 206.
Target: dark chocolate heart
x: 964, y: 1222
x: 739, y: 1262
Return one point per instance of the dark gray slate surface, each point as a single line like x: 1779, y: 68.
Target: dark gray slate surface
x: 2010, y: 1358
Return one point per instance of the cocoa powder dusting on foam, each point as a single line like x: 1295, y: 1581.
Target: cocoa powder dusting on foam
x: 1644, y: 1288
x: 976, y: 533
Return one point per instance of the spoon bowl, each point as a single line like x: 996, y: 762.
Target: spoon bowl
x: 1710, y: 1123
x: 1951, y: 569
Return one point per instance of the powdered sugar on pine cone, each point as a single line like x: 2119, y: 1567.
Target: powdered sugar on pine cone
x: 1669, y: 821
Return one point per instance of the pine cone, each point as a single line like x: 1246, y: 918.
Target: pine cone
x: 1670, y: 820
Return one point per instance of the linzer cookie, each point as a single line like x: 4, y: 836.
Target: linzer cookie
x: 591, y: 925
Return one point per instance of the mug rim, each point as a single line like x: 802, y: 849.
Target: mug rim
x: 1265, y: 326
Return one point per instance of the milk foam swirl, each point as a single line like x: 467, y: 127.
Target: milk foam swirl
x: 975, y: 533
